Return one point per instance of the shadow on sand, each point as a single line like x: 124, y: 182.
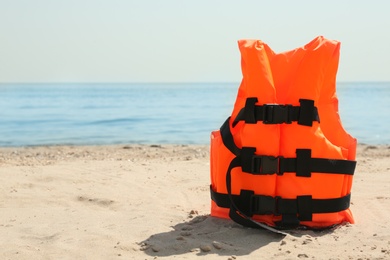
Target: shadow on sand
x: 204, y: 235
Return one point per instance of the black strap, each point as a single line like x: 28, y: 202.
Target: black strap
x: 303, y: 165
x: 302, y: 206
x: 227, y: 138
x: 304, y: 114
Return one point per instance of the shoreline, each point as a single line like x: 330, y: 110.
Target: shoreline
x: 65, y: 152
x: 46, y: 155
x: 153, y: 202
x: 43, y: 155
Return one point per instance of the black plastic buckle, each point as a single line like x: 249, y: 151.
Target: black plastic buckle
x: 276, y: 114
x: 265, y: 205
x: 266, y: 165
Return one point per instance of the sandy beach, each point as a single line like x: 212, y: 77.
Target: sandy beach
x: 153, y: 202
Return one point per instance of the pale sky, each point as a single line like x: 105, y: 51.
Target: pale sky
x: 179, y: 40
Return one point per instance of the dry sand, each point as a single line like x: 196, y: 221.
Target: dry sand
x: 152, y: 202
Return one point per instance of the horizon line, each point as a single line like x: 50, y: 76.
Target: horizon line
x: 163, y: 82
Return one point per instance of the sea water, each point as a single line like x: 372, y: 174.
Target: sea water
x: 177, y: 113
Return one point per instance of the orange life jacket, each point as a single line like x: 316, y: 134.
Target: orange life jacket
x: 283, y: 158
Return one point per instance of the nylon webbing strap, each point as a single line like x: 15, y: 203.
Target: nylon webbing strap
x: 305, y: 166
x: 227, y: 138
x: 304, y: 114
x: 266, y: 205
